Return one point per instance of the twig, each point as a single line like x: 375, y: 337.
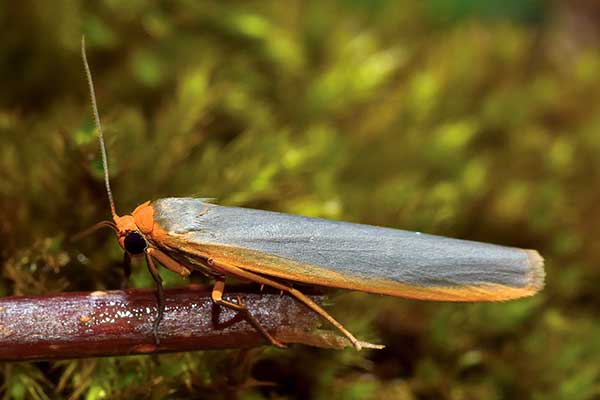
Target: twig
x: 95, y: 324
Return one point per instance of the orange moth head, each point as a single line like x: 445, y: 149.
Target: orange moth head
x: 132, y: 229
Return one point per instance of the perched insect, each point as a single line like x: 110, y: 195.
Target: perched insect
x: 276, y: 250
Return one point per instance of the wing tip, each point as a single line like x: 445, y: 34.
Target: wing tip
x: 533, y: 280
x: 537, y: 274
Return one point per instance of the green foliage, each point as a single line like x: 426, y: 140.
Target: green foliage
x: 448, y: 117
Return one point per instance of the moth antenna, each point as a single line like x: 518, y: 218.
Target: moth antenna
x: 94, y: 228
x: 98, y: 127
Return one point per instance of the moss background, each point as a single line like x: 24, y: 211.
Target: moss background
x: 477, y: 120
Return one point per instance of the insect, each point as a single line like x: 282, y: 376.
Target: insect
x: 277, y: 250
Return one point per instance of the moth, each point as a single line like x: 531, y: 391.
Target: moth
x: 278, y: 250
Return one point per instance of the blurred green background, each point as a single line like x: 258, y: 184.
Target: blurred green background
x: 476, y: 120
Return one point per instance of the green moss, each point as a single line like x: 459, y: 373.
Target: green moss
x: 473, y: 121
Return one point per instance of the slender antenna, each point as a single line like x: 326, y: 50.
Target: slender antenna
x: 94, y: 228
x: 98, y: 127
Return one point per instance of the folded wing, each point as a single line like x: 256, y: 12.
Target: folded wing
x: 346, y: 255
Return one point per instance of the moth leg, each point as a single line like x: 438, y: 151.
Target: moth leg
x: 126, y: 270
x: 160, y: 295
x: 241, y: 273
x: 168, y: 262
x: 217, y: 298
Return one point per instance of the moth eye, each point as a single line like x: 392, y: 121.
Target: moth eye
x: 135, y: 243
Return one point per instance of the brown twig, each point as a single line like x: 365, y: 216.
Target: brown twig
x: 76, y: 325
